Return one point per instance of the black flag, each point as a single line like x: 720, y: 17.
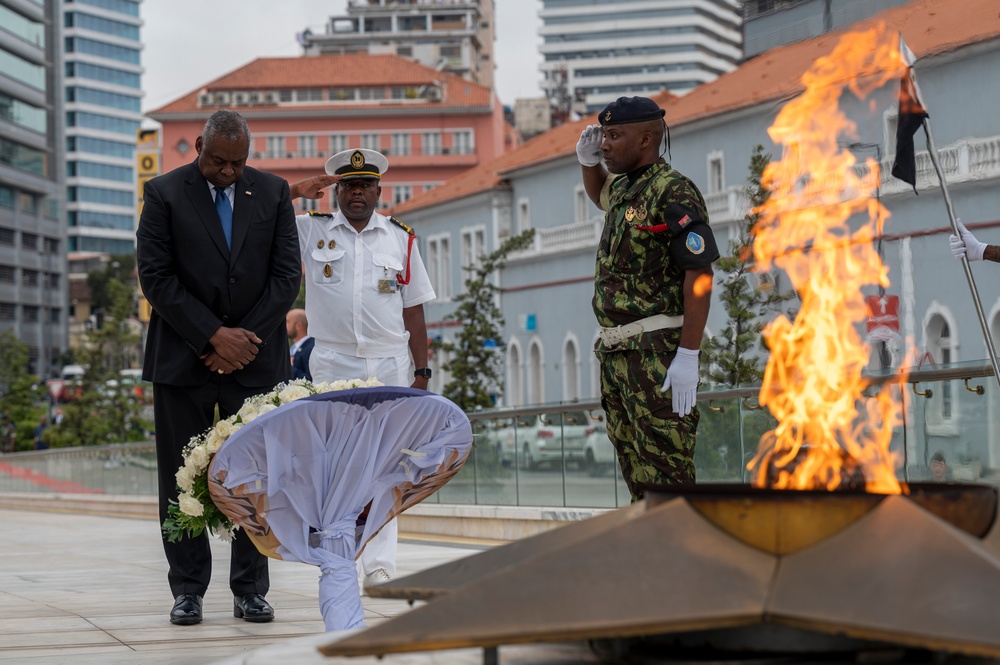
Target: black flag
x: 911, y: 116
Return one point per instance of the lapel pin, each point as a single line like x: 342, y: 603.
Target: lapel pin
x: 248, y: 193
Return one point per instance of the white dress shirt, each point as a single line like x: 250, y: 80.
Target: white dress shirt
x: 354, y: 302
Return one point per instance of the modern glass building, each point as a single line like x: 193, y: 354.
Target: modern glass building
x: 103, y: 95
x: 33, y: 287
x: 595, y: 51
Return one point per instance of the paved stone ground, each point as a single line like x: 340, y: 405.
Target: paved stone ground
x: 92, y: 590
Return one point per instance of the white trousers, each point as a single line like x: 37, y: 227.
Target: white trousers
x: 328, y: 365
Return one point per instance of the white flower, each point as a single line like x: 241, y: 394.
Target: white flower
x: 185, y: 479
x: 214, y: 441
x: 198, y: 458
x: 224, y: 428
x: 267, y: 408
x: 248, y: 413
x: 372, y: 382
x: 225, y: 535
x: 190, y: 505
x: 323, y: 387
x: 292, y: 393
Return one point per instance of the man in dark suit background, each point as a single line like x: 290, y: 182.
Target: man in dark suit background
x: 301, y: 344
x: 218, y: 260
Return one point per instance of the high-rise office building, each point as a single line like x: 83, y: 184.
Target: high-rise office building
x: 32, y: 233
x: 453, y: 35
x: 595, y: 51
x: 103, y: 96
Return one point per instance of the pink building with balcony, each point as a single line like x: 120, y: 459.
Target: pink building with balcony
x: 430, y: 124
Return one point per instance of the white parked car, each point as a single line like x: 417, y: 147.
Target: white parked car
x: 598, y: 454
x: 542, y: 438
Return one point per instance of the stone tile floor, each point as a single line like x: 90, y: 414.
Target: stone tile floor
x: 92, y: 590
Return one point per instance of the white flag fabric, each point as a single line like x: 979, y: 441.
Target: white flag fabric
x: 299, y: 479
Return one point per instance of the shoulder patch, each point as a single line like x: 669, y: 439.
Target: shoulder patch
x: 315, y: 213
x: 403, y: 226
x: 695, y: 243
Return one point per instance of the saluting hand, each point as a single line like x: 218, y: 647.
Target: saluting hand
x: 312, y: 188
x: 588, y: 148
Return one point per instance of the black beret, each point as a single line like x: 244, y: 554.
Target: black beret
x: 625, y: 110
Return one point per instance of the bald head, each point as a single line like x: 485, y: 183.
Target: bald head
x: 296, y: 324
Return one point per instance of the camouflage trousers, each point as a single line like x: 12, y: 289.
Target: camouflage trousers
x: 654, y: 445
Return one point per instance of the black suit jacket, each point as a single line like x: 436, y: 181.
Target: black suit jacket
x: 196, y: 284
x: 300, y: 361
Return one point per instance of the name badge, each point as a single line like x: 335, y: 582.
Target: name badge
x: 387, y: 286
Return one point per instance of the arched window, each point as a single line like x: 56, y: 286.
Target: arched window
x: 571, y: 369
x: 515, y: 389
x: 940, y: 341
x: 536, y: 366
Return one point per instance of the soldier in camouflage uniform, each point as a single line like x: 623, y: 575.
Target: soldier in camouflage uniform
x: 652, y: 291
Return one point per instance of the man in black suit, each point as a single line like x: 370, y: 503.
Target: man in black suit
x: 297, y: 326
x: 218, y: 260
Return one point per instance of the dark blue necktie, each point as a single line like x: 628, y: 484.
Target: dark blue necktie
x: 225, y: 211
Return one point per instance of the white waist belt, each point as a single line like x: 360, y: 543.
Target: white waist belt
x: 612, y: 337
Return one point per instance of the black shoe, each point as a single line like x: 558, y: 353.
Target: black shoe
x: 187, y: 610
x: 253, y: 608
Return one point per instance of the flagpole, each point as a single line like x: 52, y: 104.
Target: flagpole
x: 932, y: 150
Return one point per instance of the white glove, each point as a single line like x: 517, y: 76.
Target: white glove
x: 682, y: 376
x: 967, y: 245
x: 588, y: 148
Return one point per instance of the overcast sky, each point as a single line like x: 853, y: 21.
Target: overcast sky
x: 189, y: 42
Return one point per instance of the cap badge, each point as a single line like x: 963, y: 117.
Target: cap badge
x: 357, y: 159
x: 607, y: 116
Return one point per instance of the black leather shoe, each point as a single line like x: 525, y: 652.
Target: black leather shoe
x: 253, y: 608
x: 187, y: 610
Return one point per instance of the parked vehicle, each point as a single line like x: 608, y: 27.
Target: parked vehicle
x: 541, y: 438
x: 598, y: 454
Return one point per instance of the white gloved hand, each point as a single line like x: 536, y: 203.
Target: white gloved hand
x: 967, y: 245
x: 682, y: 376
x: 588, y: 148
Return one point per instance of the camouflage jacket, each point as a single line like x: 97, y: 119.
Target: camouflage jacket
x: 637, y: 274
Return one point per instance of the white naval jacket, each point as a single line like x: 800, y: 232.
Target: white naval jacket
x: 354, y: 301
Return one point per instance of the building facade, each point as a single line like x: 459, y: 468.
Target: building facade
x: 455, y: 36
x: 32, y: 235
x: 103, y: 95
x: 431, y: 125
x: 547, y: 290
x: 595, y: 51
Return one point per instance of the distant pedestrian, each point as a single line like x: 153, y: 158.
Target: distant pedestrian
x: 300, y: 343
x: 8, y: 434
x: 43, y: 423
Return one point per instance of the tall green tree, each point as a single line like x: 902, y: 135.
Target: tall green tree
x: 748, y: 295
x: 21, y: 394
x: 475, y: 356
x: 120, y: 268
x: 106, y: 410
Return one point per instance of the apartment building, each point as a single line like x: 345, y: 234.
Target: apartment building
x: 32, y: 234
x: 455, y: 36
x: 103, y: 94
x: 432, y: 125
x: 595, y: 51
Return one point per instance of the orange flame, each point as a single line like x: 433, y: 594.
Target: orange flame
x: 813, y: 384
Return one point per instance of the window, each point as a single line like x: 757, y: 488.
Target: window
x: 716, y: 180
x: 401, y: 193
x: 27, y: 203
x: 371, y: 93
x: 536, y: 375
x: 462, y: 143
x: 31, y: 313
x: 275, y: 147
x: 8, y: 311
x: 7, y: 237
x: 473, y: 248
x: 51, y: 280
x: 581, y: 204
x: 54, y: 315
x: 7, y: 274
x: 29, y: 277
x: 307, y: 204
x: 338, y: 143
x: 307, y: 146
x: 401, y: 144
x: 523, y: 215
x: 6, y: 197
x: 341, y: 94
x: 941, y: 344
x: 571, y: 371
x: 439, y: 265
x: 51, y: 245
x: 309, y: 95
x: 370, y: 141
x: 29, y: 241
x: 432, y: 143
